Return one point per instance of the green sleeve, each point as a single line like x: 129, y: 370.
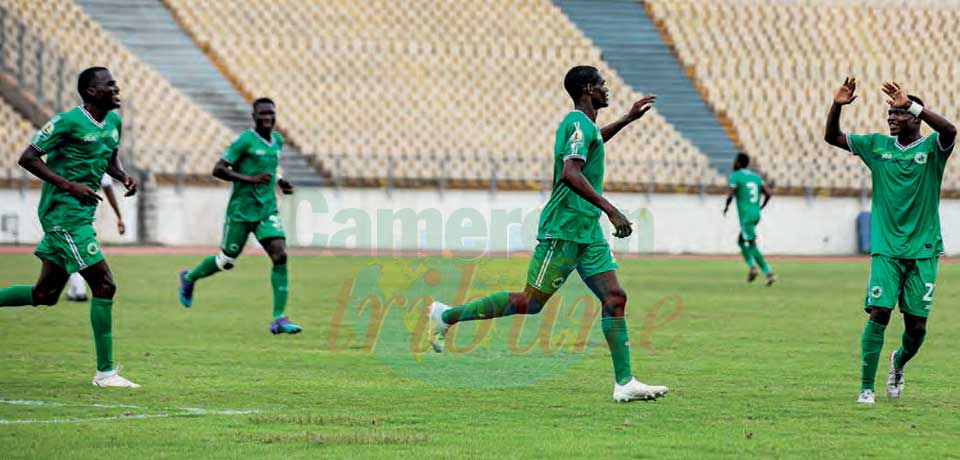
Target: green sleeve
x: 734, y: 180
x: 51, y: 134
x: 578, y: 138
x: 236, y: 150
x: 861, y: 145
x: 943, y: 151
x: 279, y: 139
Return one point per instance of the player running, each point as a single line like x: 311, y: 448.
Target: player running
x: 76, y: 288
x: 81, y: 145
x: 570, y: 237
x: 905, y: 241
x: 747, y: 186
x: 251, y: 164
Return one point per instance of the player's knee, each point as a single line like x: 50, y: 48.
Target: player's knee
x: 279, y: 258
x: 46, y: 296
x: 880, y: 315
x: 225, y: 262
x: 524, y: 305
x: 105, y: 289
x: 615, y: 303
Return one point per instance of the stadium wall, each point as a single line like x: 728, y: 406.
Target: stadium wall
x: 475, y: 220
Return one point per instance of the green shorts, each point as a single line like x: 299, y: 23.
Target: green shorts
x: 553, y: 260
x: 74, y: 250
x: 748, y: 229
x: 235, y: 233
x: 908, y: 283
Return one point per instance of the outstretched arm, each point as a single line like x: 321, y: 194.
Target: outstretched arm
x: 572, y: 177
x: 845, y: 95
x: 31, y: 160
x: 224, y: 171
x: 637, y: 110
x: 898, y: 99
x: 766, y: 196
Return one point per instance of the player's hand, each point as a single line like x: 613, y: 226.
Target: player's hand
x: 725, y: 211
x: 845, y: 94
x: 285, y: 186
x: 262, y: 178
x: 84, y: 194
x: 131, y: 186
x: 622, y: 226
x: 121, y: 228
x: 897, y: 97
x: 641, y: 107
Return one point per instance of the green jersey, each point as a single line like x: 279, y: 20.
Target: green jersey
x: 747, y: 185
x: 78, y: 149
x: 905, y: 214
x: 250, y: 155
x: 566, y: 215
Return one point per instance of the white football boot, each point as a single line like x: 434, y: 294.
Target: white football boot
x: 438, y: 328
x: 866, y: 397
x: 894, y: 379
x: 636, y: 391
x: 112, y: 379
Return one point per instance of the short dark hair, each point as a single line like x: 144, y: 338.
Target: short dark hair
x: 915, y: 99
x: 86, y: 79
x: 577, y: 78
x: 742, y: 159
x: 262, y: 100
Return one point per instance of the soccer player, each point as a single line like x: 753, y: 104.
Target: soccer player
x: 251, y: 164
x: 570, y: 237
x: 905, y: 241
x: 81, y: 145
x: 76, y: 288
x: 747, y: 186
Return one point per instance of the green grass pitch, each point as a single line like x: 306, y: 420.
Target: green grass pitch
x: 755, y: 372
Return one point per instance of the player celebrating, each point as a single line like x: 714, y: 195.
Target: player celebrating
x: 570, y: 236
x: 76, y: 288
x: 251, y: 164
x: 81, y: 145
x: 747, y: 186
x: 905, y: 241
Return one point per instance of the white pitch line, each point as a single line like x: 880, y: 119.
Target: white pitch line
x: 180, y: 412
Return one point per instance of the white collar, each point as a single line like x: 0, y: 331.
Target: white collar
x: 906, y: 147
x: 269, y: 144
x: 90, y: 117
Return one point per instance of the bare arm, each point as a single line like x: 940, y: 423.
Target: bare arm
x: 898, y: 99
x: 845, y: 95
x: 224, y: 171
x: 31, y: 160
x: 766, y: 196
x: 637, y: 110
x: 116, y: 171
x: 572, y: 177
x: 112, y: 199
x: 730, y: 192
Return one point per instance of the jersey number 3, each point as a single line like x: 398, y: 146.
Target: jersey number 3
x: 754, y: 192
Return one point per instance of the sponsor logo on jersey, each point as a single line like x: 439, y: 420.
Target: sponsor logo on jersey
x: 91, y: 138
x: 887, y: 156
x: 920, y: 158
x: 259, y: 152
x: 876, y: 292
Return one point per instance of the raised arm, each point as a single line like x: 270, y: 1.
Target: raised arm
x: 637, y: 110
x: 224, y: 171
x: 845, y: 95
x: 31, y: 160
x: 898, y: 99
x: 572, y: 177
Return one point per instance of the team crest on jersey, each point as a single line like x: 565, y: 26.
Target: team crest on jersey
x: 557, y: 283
x: 920, y: 158
x: 876, y: 292
x: 92, y: 248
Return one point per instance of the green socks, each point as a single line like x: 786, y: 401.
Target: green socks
x: 492, y: 306
x: 100, y: 319
x: 16, y: 296
x: 278, y: 280
x: 871, y: 342
x: 755, y: 251
x: 206, y: 268
x: 908, y: 349
x: 745, y: 252
x: 618, y: 339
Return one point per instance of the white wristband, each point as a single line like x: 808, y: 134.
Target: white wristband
x: 915, y: 109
